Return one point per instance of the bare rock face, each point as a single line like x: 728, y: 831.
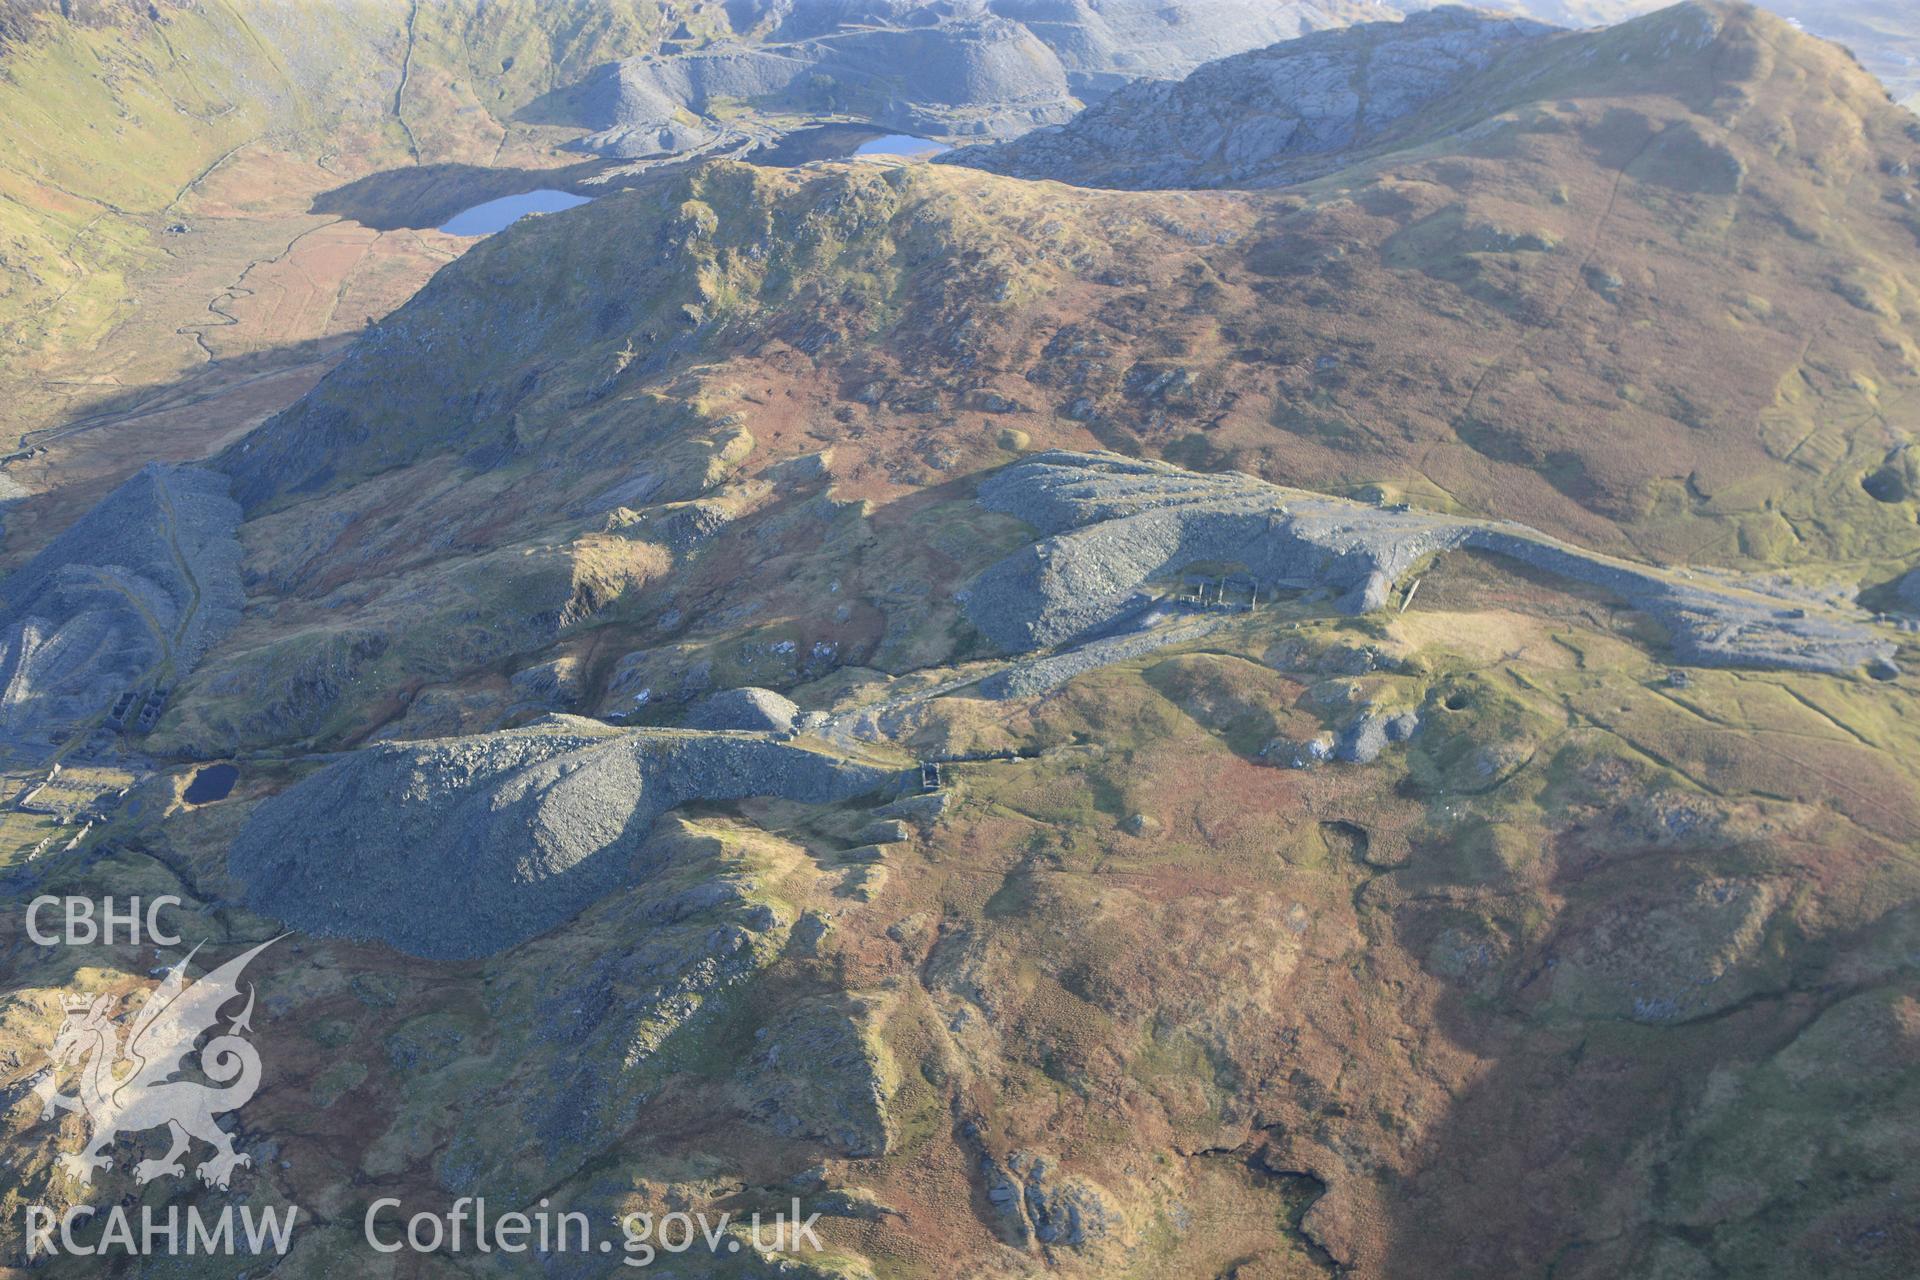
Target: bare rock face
x: 462, y: 847
x: 1112, y: 525
x: 143, y: 584
x: 1267, y: 117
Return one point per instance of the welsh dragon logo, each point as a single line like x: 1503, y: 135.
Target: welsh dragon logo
x: 133, y: 1088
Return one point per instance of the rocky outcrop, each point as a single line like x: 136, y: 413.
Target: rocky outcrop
x: 819, y: 1072
x: 1362, y: 741
x: 1269, y: 117
x: 1112, y: 525
x: 463, y: 847
x: 1908, y: 590
x: 131, y: 595
x: 1152, y: 630
x: 1039, y: 1203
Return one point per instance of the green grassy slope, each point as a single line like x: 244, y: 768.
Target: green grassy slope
x: 112, y: 116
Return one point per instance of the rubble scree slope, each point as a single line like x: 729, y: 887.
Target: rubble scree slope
x: 1113, y: 524
x: 462, y: 847
x: 135, y: 591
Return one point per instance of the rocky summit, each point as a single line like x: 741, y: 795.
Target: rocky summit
x: 1296, y: 659
x: 1271, y: 116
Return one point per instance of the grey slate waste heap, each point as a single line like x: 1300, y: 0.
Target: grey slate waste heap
x: 959, y: 67
x: 1112, y: 525
x: 150, y: 573
x: 749, y: 709
x: 463, y: 847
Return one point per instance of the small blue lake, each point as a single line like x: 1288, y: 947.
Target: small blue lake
x: 900, y: 144
x: 498, y: 215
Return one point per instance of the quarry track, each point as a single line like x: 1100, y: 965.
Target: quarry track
x: 167, y: 400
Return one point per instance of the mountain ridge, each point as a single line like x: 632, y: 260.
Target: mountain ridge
x: 1274, y: 731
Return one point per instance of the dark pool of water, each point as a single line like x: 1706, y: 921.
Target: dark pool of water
x: 498, y: 215
x: 212, y: 783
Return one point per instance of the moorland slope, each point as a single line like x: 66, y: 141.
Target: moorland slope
x: 1409, y: 857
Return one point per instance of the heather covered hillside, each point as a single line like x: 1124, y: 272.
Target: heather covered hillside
x: 1306, y: 671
